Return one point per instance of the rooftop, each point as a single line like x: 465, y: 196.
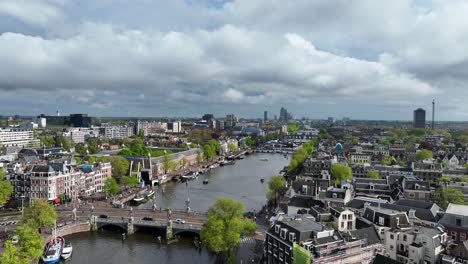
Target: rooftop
x: 457, y: 209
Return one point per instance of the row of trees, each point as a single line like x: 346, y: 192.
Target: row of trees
x: 5, y: 188
x: 211, y: 149
x: 37, y: 215
x: 141, y: 151
x: 300, y: 155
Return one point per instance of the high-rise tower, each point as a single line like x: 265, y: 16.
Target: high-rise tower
x: 433, y: 113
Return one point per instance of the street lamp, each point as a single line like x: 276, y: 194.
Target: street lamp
x: 22, y: 205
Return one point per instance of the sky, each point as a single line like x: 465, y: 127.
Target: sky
x: 362, y: 59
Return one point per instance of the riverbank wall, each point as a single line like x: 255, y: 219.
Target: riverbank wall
x: 71, y: 229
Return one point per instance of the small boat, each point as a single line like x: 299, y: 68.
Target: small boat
x: 150, y: 194
x: 67, y: 250
x: 138, y: 199
x: 205, y: 181
x: 240, y: 157
x: 263, y: 159
x: 262, y: 180
x: 53, y: 250
x: 190, y: 176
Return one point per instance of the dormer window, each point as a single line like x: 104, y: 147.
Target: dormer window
x: 416, y: 186
x: 381, y: 221
x: 304, y: 189
x: 334, y: 195
x: 371, y: 186
x: 277, y: 228
x: 283, y: 233
x: 292, y: 237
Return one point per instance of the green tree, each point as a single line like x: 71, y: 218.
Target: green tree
x: 91, y: 159
x: 30, y: 242
x: 78, y: 160
x: 199, y: 158
x: 292, y: 128
x: 226, y: 222
x: 466, y: 166
x: 301, y: 255
x: 388, y: 160
x: 5, y: 188
x: 141, y: 133
x: 61, y: 141
x: 373, y: 174
x: 444, y: 196
x: 215, y: 144
x: 39, y: 214
x: 111, y: 187
x: 423, y: 154
x: 209, y: 151
x: 130, y: 181
x: 168, y: 163
x: 355, y: 140
x: 402, y: 164
x: 249, y: 142
x: 341, y: 172
x: 11, y: 255
x: 232, y: 147
x: 445, y: 179
x: 184, y: 162
x: 276, y: 186
x: 120, y: 166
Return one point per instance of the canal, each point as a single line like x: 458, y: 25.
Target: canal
x: 240, y: 181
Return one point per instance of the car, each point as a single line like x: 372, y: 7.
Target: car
x: 180, y: 221
x: 103, y: 216
x: 146, y: 218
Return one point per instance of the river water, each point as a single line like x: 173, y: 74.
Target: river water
x: 240, y: 181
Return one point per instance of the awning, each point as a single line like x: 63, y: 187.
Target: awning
x: 56, y: 200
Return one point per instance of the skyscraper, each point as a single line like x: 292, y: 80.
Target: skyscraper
x: 265, y: 116
x: 419, y: 118
x: 284, y: 116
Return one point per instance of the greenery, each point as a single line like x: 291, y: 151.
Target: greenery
x: 141, y: 133
x: 301, y: 255
x: 292, y: 128
x: 61, y: 141
x: 272, y: 136
x: 226, y: 222
x: 30, y: 242
x: 445, y: 179
x: 232, y: 147
x: 300, y: 155
x: 341, y: 172
x: 355, y: 140
x: 78, y: 160
x: 388, y: 160
x: 373, y: 174
x: 444, y: 196
x: 423, y: 154
x: 11, y: 255
x: 141, y: 150
x: 46, y: 140
x: 5, y: 188
x: 130, y: 181
x: 39, y: 214
x: 111, y: 187
x: 208, y: 151
x: 466, y: 166
x: 120, y: 166
x: 249, y: 142
x: 402, y: 164
x: 199, y: 158
x: 168, y: 163
x: 276, y: 186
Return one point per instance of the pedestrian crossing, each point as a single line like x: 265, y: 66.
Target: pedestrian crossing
x: 247, y: 240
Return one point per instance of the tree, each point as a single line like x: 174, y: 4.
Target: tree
x: 209, y: 151
x: 110, y: 186
x: 388, y: 160
x: 232, y: 147
x: 184, y: 162
x: 39, y: 213
x: 63, y: 142
x: 130, y: 181
x: 30, y: 242
x: 466, y: 166
x: 11, y: 255
x: 168, y: 163
x: 444, y: 196
x: 91, y: 159
x: 141, y: 133
x: 78, y: 160
x: 445, y: 179
x: 292, y: 128
x: 226, y: 222
x: 402, y: 164
x: 120, y: 166
x: 249, y: 142
x: 5, y: 188
x: 276, y: 186
x: 423, y: 154
x: 341, y: 172
x: 199, y: 158
x: 373, y: 174
x: 355, y: 140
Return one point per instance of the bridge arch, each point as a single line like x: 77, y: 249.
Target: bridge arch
x: 112, y: 226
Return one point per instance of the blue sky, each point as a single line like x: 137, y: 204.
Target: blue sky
x: 362, y: 59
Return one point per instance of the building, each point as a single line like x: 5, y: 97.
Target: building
x: 150, y: 128
x: 74, y: 120
x: 231, y: 121
x: 265, y: 116
x: 419, y: 118
x: 174, y: 127
x: 284, y: 116
x: 119, y: 132
x: 428, y: 170
x: 415, y: 244
x: 17, y: 137
x: 455, y: 221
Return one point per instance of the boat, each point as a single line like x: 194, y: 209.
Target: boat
x: 190, y: 176
x: 240, y: 157
x: 138, y: 199
x: 53, y: 250
x: 262, y: 180
x: 67, y: 250
x: 150, y: 194
x: 205, y: 181
x: 263, y: 159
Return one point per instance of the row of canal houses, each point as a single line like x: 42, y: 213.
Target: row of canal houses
x: 393, y: 219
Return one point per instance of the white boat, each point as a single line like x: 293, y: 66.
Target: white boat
x: 67, y: 250
x: 138, y: 199
x: 190, y: 176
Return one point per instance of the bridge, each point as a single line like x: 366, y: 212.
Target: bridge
x: 131, y: 220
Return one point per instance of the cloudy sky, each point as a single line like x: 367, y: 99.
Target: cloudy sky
x: 362, y: 59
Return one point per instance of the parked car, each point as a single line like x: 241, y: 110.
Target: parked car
x: 103, y: 216
x: 179, y: 221
x: 147, y: 218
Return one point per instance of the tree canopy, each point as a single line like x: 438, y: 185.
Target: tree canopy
x: 423, y: 154
x: 168, y: 163
x: 276, y: 185
x: 300, y: 155
x: 444, y: 196
x: 39, y: 213
x: 226, y: 222
x: 110, y: 186
x: 5, y: 188
x: 130, y: 181
x: 341, y: 172
x: 373, y: 174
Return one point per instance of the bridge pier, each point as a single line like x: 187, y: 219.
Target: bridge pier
x: 169, y: 233
x: 93, y: 223
x: 130, y: 227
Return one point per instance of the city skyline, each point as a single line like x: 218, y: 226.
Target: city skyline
x: 185, y: 58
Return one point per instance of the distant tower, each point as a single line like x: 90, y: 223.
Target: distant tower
x: 433, y: 112
x: 58, y: 112
x: 265, y: 116
x: 419, y: 118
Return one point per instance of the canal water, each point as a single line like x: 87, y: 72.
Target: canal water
x: 240, y: 181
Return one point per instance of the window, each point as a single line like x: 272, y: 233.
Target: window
x: 381, y: 220
x: 350, y: 216
x: 392, y: 236
x: 342, y: 224
x: 453, y: 234
x: 344, y: 217
x: 277, y: 228
x: 404, y: 238
x: 462, y: 236
x: 284, y: 232
x: 458, y: 221
x: 292, y: 237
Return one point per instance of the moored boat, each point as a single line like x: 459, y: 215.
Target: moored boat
x: 53, y: 250
x: 67, y: 250
x: 205, y: 181
x: 150, y: 194
x: 262, y: 180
